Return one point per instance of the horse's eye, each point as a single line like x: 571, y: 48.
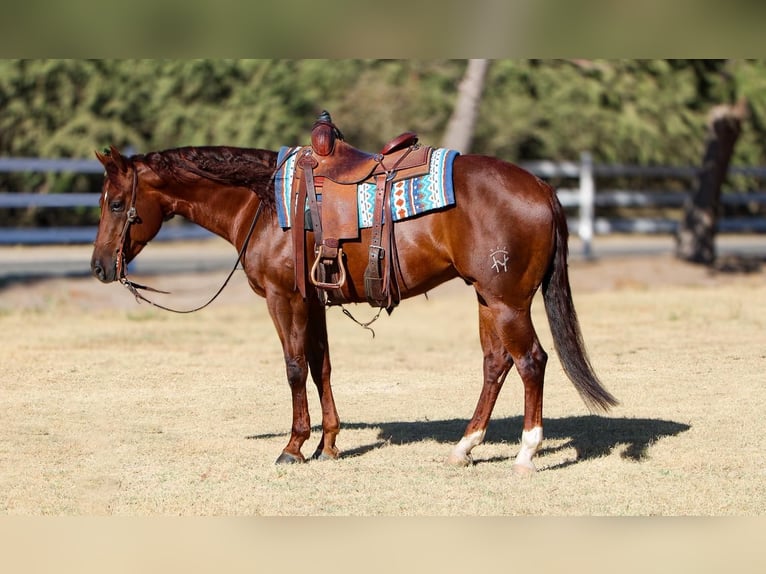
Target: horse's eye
x: 117, y: 205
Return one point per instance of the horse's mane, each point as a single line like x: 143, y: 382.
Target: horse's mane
x: 244, y: 167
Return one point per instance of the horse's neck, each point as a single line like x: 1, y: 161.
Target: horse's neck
x: 217, y: 208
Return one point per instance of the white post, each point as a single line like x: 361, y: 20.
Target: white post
x: 587, y: 200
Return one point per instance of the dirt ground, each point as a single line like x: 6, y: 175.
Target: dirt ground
x: 113, y: 407
x: 603, y: 273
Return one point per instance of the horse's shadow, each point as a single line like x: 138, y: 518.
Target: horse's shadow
x: 590, y: 436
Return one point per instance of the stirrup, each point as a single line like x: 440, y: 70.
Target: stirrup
x: 315, y: 267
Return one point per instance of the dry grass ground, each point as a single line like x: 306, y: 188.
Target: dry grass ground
x: 110, y: 407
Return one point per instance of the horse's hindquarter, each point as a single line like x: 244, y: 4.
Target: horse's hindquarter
x: 500, y: 231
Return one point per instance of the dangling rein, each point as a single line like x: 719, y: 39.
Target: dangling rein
x: 135, y: 288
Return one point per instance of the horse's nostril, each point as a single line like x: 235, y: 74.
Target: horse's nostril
x: 98, y: 271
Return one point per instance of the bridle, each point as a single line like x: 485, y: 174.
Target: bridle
x: 132, y: 217
x: 135, y: 288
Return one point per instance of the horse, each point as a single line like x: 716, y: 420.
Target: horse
x: 506, y: 235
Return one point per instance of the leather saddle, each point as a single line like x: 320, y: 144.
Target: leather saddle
x: 325, y: 200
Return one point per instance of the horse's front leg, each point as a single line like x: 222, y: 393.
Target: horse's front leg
x: 290, y: 317
x: 301, y: 428
x: 318, y: 353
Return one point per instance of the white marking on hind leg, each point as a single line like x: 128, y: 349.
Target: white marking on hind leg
x: 530, y: 442
x: 461, y: 453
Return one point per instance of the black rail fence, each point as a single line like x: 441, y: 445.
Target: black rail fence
x: 588, y: 204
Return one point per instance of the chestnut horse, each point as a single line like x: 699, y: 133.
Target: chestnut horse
x: 506, y: 236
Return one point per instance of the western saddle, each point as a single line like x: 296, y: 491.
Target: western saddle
x: 325, y: 201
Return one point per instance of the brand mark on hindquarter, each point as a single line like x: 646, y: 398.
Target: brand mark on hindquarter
x: 499, y: 256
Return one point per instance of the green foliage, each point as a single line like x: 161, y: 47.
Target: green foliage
x: 622, y: 111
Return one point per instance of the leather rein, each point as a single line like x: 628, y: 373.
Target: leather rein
x: 135, y: 288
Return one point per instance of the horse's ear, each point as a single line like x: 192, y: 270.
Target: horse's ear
x: 118, y: 159
x: 102, y: 157
x: 113, y: 161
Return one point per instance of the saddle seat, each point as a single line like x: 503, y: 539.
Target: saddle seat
x: 346, y: 165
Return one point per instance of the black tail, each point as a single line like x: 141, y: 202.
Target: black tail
x: 565, y: 327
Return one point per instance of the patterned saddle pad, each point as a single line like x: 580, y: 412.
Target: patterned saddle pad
x: 409, y: 197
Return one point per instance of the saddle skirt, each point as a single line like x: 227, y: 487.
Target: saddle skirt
x: 409, y: 197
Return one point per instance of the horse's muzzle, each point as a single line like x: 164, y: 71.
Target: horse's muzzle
x: 105, y: 274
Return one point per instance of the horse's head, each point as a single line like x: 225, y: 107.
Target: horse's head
x: 131, y: 214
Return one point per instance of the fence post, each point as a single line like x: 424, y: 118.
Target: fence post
x: 587, y: 200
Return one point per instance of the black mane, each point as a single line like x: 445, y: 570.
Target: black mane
x: 244, y: 167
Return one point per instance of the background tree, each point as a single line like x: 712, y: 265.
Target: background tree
x: 695, y: 239
x: 463, y: 120
x: 622, y: 111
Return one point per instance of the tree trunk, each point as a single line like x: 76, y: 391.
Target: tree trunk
x: 463, y: 121
x: 695, y: 238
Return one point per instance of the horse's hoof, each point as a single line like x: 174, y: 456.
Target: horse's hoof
x: 523, y: 471
x: 323, y: 455
x: 320, y: 456
x: 459, y: 459
x: 287, y: 458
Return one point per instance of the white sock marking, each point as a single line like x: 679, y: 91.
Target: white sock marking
x: 462, y: 449
x: 530, y: 442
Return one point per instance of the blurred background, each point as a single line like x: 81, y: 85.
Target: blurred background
x: 672, y: 149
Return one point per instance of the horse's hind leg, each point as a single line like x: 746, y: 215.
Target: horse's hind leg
x: 519, y: 338
x: 508, y: 337
x: 497, y: 363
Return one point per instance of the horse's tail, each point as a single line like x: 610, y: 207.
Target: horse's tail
x: 565, y: 327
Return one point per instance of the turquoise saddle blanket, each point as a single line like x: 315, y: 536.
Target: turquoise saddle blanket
x: 409, y: 197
